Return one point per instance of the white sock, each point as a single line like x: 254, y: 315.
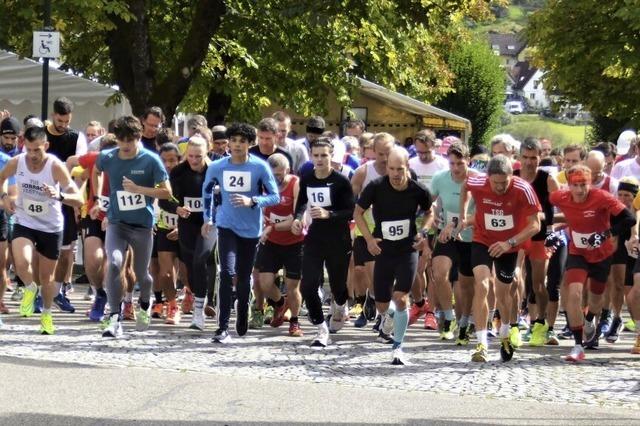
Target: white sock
x: 32, y: 287
x: 481, y: 335
x: 46, y: 310
x: 128, y: 297
x: 58, y: 287
x: 504, y: 330
x: 323, y: 327
x: 198, y: 303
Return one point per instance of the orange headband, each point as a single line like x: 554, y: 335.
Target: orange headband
x: 579, y: 176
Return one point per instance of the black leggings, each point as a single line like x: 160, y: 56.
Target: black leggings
x: 336, y: 255
x: 555, y: 274
x: 195, y: 252
x: 237, y: 256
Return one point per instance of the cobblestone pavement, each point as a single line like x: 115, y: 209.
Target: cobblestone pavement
x: 609, y: 377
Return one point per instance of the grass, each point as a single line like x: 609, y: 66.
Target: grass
x: 515, y: 21
x: 560, y: 134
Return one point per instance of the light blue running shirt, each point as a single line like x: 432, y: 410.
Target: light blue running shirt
x: 444, y: 187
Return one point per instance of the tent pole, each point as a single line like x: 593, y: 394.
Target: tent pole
x: 45, y: 63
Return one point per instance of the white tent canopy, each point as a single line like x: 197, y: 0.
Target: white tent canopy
x: 21, y: 92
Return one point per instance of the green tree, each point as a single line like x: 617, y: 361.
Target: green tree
x: 589, y: 49
x: 478, y: 88
x: 231, y: 57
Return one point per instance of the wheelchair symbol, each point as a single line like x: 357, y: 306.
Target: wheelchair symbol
x: 43, y: 49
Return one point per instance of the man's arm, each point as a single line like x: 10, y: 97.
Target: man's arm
x: 358, y: 179
x: 68, y: 189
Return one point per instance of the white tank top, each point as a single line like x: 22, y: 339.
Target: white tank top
x: 34, y: 208
x: 371, y: 173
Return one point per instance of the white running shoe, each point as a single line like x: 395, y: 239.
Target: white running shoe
x: 114, y: 328
x: 197, y: 321
x: 339, y: 316
x: 398, y: 357
x: 576, y: 355
x: 322, y: 338
x: 387, y: 324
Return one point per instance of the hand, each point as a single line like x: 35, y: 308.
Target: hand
x: 632, y: 246
x: 51, y: 191
x: 4, y: 114
x: 265, y: 234
x: 104, y: 224
x: 447, y: 233
x: 499, y: 248
x: 206, y: 229
x: 238, y: 200
x: 419, y: 242
x: 128, y: 185
x: 95, y: 210
x: 373, y: 247
x: 597, y: 239
x: 183, y: 212
x: 319, y: 213
x: 173, y: 235
x: 9, y: 205
x: 296, y: 227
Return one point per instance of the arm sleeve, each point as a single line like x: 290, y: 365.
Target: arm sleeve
x: 81, y: 144
x: 207, y: 194
x: 622, y: 221
x: 366, y: 197
x: 301, y: 204
x: 168, y: 206
x: 346, y: 202
x: 271, y: 196
x: 425, y: 199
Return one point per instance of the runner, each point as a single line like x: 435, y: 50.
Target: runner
x: 298, y: 153
x: 93, y: 226
x: 195, y: 249
x: 136, y: 177
x: 425, y: 164
x: 63, y: 143
x: 329, y: 197
x: 395, y: 240
x: 363, y: 260
x: 38, y: 218
x: 280, y: 248
x: 242, y: 179
x: 453, y: 248
x: 506, y: 216
x: 152, y: 121
x: 536, y: 254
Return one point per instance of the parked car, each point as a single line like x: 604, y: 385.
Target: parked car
x: 514, y: 107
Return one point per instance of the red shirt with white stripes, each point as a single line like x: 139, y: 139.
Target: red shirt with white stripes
x: 501, y: 217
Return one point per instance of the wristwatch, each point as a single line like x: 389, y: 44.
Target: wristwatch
x: 61, y: 196
x: 512, y: 242
x: 254, y: 201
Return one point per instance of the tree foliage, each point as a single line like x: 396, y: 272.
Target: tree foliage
x: 478, y: 88
x: 591, y: 52
x: 231, y: 57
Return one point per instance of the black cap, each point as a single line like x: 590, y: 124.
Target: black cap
x: 10, y: 126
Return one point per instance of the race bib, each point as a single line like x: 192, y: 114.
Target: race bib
x: 494, y: 222
x: 319, y: 197
x: 103, y: 202
x: 194, y: 204
x: 35, y: 208
x: 394, y: 230
x: 274, y: 218
x: 128, y: 201
x: 580, y: 240
x: 233, y: 181
x: 170, y: 220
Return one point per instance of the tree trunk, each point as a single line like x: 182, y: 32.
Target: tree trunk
x: 134, y: 68
x: 218, y: 105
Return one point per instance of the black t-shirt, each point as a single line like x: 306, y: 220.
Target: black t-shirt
x: 334, y: 194
x: 62, y: 146
x: 149, y: 143
x: 255, y: 150
x: 394, y: 212
x: 541, y: 187
x: 186, y: 184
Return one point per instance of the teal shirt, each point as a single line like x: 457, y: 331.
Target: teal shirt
x: 145, y: 169
x: 444, y: 187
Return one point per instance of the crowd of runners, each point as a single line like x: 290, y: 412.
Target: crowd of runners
x: 484, y: 242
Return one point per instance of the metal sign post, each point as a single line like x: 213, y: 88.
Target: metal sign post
x: 46, y: 45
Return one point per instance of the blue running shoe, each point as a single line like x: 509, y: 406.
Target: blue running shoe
x: 63, y: 304
x: 37, y: 305
x: 97, y: 309
x: 361, y: 321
